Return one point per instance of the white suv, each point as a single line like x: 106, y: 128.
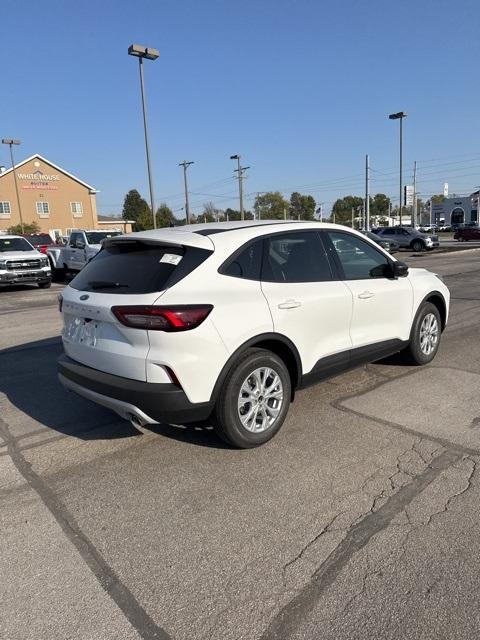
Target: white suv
x: 224, y: 322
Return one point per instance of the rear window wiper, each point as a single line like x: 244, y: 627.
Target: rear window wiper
x: 105, y: 284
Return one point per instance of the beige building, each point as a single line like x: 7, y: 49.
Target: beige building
x: 57, y: 200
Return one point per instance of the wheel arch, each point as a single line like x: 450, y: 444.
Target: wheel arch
x: 277, y: 343
x: 437, y: 299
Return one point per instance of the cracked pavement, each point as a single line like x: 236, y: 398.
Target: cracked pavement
x: 359, y: 520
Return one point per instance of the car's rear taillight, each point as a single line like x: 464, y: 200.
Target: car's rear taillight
x: 177, y: 318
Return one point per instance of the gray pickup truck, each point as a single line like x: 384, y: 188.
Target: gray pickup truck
x: 20, y: 263
x: 82, y: 245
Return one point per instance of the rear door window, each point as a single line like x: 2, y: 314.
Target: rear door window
x: 137, y: 267
x: 295, y: 257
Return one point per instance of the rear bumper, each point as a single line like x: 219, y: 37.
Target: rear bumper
x: 147, y: 403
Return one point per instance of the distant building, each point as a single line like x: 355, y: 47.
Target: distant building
x: 455, y: 211
x: 50, y: 196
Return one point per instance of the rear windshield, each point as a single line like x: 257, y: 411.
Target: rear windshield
x: 137, y: 267
x: 39, y: 239
x: 15, y: 244
x: 96, y: 237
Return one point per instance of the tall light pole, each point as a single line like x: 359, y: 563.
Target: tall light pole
x: 367, y: 193
x: 141, y: 52
x: 11, y: 142
x: 400, y: 115
x: 185, y: 164
x: 240, y: 176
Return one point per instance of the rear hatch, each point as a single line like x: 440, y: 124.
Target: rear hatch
x: 129, y: 270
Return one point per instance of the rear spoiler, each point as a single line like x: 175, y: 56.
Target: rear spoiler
x: 174, y: 236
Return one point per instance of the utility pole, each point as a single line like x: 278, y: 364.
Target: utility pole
x: 367, y: 193
x: 185, y: 164
x: 10, y: 142
x: 353, y: 211
x: 240, y: 170
x: 414, y: 206
x: 284, y: 213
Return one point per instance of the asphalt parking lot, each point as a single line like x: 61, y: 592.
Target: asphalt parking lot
x: 359, y: 520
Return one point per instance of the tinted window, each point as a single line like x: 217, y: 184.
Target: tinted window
x: 15, y: 244
x: 295, y: 257
x: 247, y: 263
x: 387, y: 232
x: 137, y: 267
x: 41, y: 239
x: 359, y: 259
x: 74, y: 239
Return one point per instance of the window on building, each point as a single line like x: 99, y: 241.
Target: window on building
x: 43, y: 208
x: 5, y: 208
x: 76, y: 209
x: 457, y: 216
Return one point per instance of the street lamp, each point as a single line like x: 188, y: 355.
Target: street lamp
x: 11, y: 142
x: 240, y: 171
x: 141, y: 52
x: 400, y: 115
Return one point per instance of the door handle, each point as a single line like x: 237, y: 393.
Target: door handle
x: 289, y: 304
x: 365, y: 295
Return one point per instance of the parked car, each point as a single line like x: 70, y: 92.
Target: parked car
x: 226, y: 321
x: 20, y: 263
x: 388, y: 245
x: 409, y: 238
x: 40, y: 241
x: 466, y: 233
x: 80, y: 248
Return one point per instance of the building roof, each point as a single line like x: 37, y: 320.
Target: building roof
x: 39, y: 157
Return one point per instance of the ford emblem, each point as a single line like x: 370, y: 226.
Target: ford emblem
x: 84, y: 297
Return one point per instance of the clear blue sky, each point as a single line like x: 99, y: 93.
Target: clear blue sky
x: 300, y: 89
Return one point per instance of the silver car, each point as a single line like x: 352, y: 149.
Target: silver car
x: 409, y: 238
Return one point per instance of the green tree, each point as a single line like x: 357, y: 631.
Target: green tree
x: 342, y: 209
x: 302, y: 207
x: 234, y: 214
x: 28, y: 228
x: 136, y: 208
x: 379, y: 205
x: 271, y: 206
x: 164, y: 216
x: 438, y: 199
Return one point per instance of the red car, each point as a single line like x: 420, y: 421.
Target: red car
x: 40, y: 241
x: 464, y: 234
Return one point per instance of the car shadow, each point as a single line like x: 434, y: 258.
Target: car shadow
x: 28, y: 378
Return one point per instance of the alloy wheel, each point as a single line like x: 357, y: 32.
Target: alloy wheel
x: 428, y: 334
x: 260, y: 399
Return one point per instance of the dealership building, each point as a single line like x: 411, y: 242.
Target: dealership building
x: 50, y: 196
x: 455, y: 211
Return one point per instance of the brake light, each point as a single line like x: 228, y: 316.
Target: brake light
x: 177, y: 318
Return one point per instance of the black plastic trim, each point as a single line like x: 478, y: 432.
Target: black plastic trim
x: 164, y: 402
x: 350, y: 359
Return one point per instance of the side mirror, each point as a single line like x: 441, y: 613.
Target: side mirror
x: 400, y: 269
x: 80, y: 244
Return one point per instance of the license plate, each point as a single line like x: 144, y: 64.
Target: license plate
x: 81, y: 331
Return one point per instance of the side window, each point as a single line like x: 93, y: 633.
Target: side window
x: 388, y: 232
x: 295, y: 257
x: 247, y: 263
x: 359, y: 259
x: 73, y: 239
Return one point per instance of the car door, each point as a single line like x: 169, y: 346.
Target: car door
x: 382, y: 305
x: 70, y: 251
x: 307, y: 303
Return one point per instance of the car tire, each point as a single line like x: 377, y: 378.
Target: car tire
x: 242, y: 395
x: 45, y: 285
x: 421, y: 348
x: 418, y: 246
